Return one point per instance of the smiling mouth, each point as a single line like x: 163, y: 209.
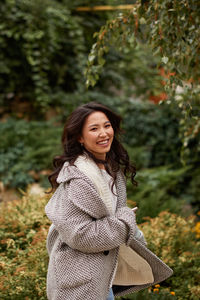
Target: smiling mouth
x: 104, y: 142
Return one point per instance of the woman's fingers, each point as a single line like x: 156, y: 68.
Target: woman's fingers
x: 135, y: 209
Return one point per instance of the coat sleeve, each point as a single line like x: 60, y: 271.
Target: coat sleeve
x: 75, y: 214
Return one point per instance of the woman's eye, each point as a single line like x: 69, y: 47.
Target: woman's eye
x: 108, y: 125
x: 93, y: 129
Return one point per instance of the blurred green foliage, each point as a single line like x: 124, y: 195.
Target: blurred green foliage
x: 172, y: 30
x: 24, y: 259
x: 153, y: 130
x: 176, y: 241
x: 187, y: 100
x: 162, y: 188
x: 170, y: 27
x: 25, y: 147
x: 43, y: 55
x: 41, y: 49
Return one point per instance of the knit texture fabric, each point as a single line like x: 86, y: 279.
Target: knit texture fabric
x: 82, y: 230
x: 100, y: 180
x: 113, y: 194
x: 91, y: 170
x: 84, y: 238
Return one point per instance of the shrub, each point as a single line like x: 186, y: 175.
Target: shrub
x: 23, y: 260
x: 176, y: 241
x: 155, y: 130
x: 26, y: 149
x: 162, y: 188
x: 35, y: 38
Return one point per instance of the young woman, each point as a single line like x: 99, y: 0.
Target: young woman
x: 95, y: 248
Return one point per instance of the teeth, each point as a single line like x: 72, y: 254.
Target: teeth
x: 103, y: 142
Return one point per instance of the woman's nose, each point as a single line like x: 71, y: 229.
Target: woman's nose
x: 102, y: 132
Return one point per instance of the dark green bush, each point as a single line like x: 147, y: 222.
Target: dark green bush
x: 25, y: 147
x: 161, y: 188
x: 155, y: 130
x: 41, y: 48
x: 43, y: 52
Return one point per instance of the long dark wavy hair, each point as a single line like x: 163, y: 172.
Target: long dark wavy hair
x: 117, y: 158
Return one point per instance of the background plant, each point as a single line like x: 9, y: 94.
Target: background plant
x: 172, y: 30
x: 43, y: 54
x: 26, y: 149
x: 23, y: 262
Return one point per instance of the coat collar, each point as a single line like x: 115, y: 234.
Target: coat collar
x: 86, y: 165
x: 85, y: 168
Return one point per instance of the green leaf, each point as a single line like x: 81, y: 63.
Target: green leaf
x: 91, y: 58
x: 165, y: 59
x: 143, y: 21
x: 101, y: 61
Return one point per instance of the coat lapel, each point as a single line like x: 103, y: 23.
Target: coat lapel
x: 159, y: 269
x: 68, y: 173
x: 121, y: 190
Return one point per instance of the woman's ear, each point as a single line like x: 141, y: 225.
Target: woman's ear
x: 80, y: 140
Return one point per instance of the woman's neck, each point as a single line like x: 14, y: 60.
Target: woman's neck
x: 101, y: 166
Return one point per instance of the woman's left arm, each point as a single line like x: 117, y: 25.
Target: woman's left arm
x: 75, y: 214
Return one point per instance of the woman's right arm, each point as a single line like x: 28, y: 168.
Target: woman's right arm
x: 77, y: 218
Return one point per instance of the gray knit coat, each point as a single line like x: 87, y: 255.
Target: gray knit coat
x: 83, y: 240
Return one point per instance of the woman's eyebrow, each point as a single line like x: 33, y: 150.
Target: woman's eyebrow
x: 98, y: 124
x: 92, y: 125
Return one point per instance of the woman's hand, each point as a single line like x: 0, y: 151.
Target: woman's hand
x: 135, y: 209
x: 138, y: 233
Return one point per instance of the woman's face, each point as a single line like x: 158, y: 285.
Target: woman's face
x: 97, y: 134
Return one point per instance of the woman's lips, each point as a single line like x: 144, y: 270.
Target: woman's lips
x: 103, y: 143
